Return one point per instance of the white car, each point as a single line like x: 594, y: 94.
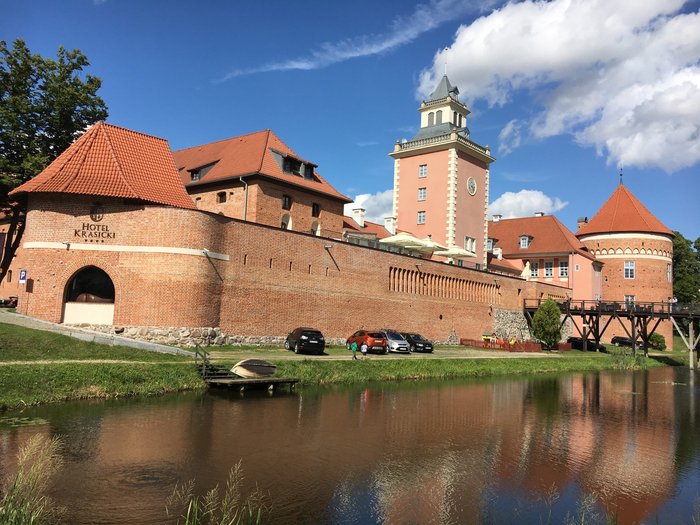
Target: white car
x: 396, y: 342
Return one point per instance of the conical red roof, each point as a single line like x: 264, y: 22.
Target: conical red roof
x: 622, y: 212
x: 110, y: 161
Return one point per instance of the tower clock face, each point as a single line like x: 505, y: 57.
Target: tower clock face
x: 471, y: 185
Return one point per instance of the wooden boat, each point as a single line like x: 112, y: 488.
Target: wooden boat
x: 252, y: 368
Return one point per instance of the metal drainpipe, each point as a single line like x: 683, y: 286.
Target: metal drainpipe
x: 245, y: 199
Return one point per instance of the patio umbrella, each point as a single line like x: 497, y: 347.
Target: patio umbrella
x: 455, y: 252
x: 403, y: 239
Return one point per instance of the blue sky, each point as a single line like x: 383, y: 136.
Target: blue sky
x: 564, y: 92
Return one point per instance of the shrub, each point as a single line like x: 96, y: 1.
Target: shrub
x: 546, y: 324
x: 657, y: 341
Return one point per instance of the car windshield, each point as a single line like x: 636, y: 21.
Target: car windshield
x: 309, y: 333
x: 376, y: 335
x: 394, y: 336
x: 418, y: 337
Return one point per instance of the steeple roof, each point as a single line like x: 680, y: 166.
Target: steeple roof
x: 444, y: 89
x: 110, y: 161
x: 623, y: 212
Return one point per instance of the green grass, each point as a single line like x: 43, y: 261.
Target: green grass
x: 24, y: 344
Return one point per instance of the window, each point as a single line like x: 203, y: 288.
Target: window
x: 221, y: 197
x: 524, y: 241
x: 431, y: 119
x: 9, y: 276
x: 563, y: 268
x: 548, y: 269
x: 421, y: 217
x: 308, y: 172
x: 315, y: 209
x: 470, y: 244
x: 286, y: 224
x: 669, y: 273
x: 438, y: 116
x: 577, y: 267
x: 534, y: 269
x: 421, y: 193
x: 286, y: 202
x: 290, y: 165
x: 197, y: 173
x: 422, y: 171
x: 629, y: 269
x: 489, y: 244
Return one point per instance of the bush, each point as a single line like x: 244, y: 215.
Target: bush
x: 546, y: 324
x: 657, y: 342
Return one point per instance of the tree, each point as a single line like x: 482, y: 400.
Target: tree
x: 546, y: 324
x: 44, y: 106
x: 686, y: 269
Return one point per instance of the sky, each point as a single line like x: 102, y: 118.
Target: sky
x: 568, y: 94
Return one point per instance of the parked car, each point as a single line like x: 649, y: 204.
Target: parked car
x: 620, y: 340
x: 304, y: 339
x: 418, y: 343
x: 577, y: 343
x: 375, y: 339
x: 10, y: 302
x: 396, y: 342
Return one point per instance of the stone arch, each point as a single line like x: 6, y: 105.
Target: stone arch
x: 618, y: 251
x: 635, y: 251
x: 88, y: 297
x: 656, y: 252
x: 316, y: 228
x: 603, y: 251
x: 286, y: 222
x: 628, y: 251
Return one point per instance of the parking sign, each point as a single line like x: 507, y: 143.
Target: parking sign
x: 22, y: 276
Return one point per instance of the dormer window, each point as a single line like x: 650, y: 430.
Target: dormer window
x: 489, y: 245
x: 309, y: 172
x: 524, y: 241
x: 197, y: 173
x: 291, y: 165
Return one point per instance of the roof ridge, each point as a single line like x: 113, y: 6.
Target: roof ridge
x: 116, y: 159
x: 225, y: 140
x: 122, y: 128
x: 84, y: 149
x: 264, y: 152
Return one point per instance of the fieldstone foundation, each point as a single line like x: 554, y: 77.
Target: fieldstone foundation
x: 509, y: 324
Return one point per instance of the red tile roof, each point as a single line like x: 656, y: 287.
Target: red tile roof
x: 370, y: 228
x: 622, y: 212
x: 547, y: 235
x: 110, y: 161
x: 247, y: 155
x: 514, y: 267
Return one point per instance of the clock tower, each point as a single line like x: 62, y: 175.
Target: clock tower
x: 441, y: 177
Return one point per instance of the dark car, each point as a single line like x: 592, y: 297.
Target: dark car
x: 577, y: 343
x: 10, y: 302
x: 620, y: 340
x: 375, y: 339
x: 304, y: 339
x: 418, y: 343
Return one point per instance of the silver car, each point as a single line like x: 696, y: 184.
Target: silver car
x: 396, y: 342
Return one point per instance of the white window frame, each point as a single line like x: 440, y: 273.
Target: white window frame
x: 549, y: 269
x: 669, y: 272
x: 421, y: 217
x: 422, y: 194
x: 563, y: 268
x: 524, y: 241
x: 630, y: 269
x: 489, y: 245
x: 422, y: 171
x: 534, y: 269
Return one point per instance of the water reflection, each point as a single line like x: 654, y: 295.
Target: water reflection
x: 429, y: 453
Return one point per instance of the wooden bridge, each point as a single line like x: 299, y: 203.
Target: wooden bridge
x: 638, y: 320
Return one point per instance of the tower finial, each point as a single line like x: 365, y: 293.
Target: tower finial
x: 444, y: 50
x: 621, y: 177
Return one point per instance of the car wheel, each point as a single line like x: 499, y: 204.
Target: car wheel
x: 286, y: 344
x: 296, y: 348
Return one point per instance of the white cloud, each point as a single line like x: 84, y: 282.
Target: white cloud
x: 524, y: 204
x: 403, y: 30
x: 377, y: 206
x: 621, y: 76
x: 509, y: 138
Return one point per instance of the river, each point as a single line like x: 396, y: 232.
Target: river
x: 533, y: 449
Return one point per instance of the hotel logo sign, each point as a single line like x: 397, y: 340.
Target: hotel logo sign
x: 93, y: 232
x: 97, y: 213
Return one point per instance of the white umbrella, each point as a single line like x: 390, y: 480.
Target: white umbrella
x: 403, y: 239
x: 455, y: 252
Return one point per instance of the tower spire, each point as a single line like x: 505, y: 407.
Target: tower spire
x: 621, y: 177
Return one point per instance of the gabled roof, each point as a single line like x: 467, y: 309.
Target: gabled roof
x: 255, y: 153
x: 110, y: 161
x: 622, y: 212
x: 547, y: 235
x: 370, y: 228
x: 444, y: 89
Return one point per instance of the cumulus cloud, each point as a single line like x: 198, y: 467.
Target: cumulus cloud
x: 377, y: 205
x: 524, y: 204
x: 621, y: 76
x: 403, y: 30
x: 509, y: 138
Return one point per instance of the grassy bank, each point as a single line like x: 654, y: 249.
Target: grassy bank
x: 56, y: 372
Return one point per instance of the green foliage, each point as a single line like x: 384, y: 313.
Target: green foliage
x: 546, y: 324
x: 44, y: 105
x: 625, y: 359
x: 686, y: 269
x: 657, y: 341
x: 23, y: 498
x: 229, y: 508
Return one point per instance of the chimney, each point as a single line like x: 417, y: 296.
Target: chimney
x: 496, y: 218
x: 581, y: 221
x: 390, y: 225
x: 358, y: 214
x: 539, y: 214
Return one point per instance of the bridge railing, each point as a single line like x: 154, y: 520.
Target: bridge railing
x: 620, y: 307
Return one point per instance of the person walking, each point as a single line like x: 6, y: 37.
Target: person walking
x: 353, y: 347
x: 363, y: 349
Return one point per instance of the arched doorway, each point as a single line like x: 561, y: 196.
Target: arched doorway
x: 89, y: 297
x: 286, y: 223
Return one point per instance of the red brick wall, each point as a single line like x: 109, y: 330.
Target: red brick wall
x: 274, y: 281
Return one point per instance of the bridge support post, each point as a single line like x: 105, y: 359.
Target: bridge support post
x: 691, y: 337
